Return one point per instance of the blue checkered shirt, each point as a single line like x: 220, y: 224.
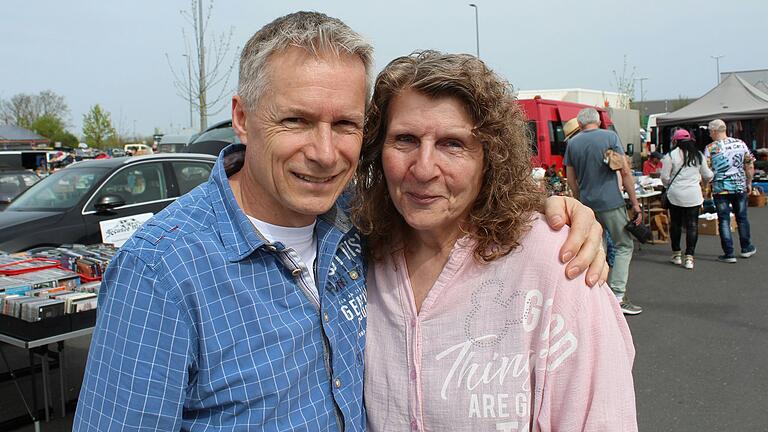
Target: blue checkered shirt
x: 203, y: 325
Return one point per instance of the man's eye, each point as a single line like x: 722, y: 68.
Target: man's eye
x: 347, y: 125
x: 405, y: 138
x: 293, y: 121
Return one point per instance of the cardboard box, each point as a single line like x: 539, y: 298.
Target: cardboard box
x: 711, y: 227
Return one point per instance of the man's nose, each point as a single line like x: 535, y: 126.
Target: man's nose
x: 322, y: 150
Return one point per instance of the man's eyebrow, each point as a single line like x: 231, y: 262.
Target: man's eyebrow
x: 355, y: 117
x: 297, y: 111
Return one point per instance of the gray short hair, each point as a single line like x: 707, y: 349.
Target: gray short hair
x: 317, y: 33
x: 588, y: 116
x: 717, y: 125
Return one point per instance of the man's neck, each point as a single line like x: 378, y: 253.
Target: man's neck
x: 720, y: 136
x: 590, y: 126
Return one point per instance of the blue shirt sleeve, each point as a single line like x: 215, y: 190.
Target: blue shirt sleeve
x: 616, y: 143
x: 140, y: 354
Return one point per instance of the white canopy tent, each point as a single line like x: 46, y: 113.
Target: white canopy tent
x: 732, y: 99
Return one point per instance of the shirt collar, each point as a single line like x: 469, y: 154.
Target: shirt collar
x: 238, y: 235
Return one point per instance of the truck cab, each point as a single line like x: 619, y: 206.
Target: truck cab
x: 546, y: 119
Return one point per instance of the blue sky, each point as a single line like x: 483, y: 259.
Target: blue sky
x: 114, y: 53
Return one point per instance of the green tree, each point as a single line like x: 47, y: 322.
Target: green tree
x: 48, y: 126
x: 97, y: 127
x: 52, y: 128
x: 68, y: 139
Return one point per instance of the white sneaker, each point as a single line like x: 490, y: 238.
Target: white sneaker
x: 676, y: 259
x: 688, y: 263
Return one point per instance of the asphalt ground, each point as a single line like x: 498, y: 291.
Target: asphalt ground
x: 702, y: 341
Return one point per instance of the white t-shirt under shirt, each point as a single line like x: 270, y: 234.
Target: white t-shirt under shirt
x: 301, y: 239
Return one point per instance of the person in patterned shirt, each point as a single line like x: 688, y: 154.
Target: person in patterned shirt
x: 730, y: 160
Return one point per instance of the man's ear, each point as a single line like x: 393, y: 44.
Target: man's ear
x: 239, y: 119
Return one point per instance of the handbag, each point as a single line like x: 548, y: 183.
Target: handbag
x: 613, y: 159
x: 640, y: 231
x: 664, y: 198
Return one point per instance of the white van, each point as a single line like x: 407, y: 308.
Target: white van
x: 137, y: 149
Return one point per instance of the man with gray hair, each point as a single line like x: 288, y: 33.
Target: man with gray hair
x: 242, y: 305
x: 733, y: 166
x: 594, y: 183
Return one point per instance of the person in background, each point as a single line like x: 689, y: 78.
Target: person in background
x: 242, y: 305
x: 682, y: 172
x: 472, y: 325
x: 733, y: 166
x: 595, y: 184
x: 653, y: 164
x: 571, y: 128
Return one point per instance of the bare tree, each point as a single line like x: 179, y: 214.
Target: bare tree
x: 50, y: 104
x: 625, y: 84
x: 206, y: 90
x: 24, y: 109
x: 18, y: 110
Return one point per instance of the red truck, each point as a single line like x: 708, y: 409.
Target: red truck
x: 546, y: 119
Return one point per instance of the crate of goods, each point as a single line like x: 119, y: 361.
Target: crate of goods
x: 708, y: 224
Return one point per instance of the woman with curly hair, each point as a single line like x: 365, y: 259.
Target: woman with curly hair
x: 472, y: 324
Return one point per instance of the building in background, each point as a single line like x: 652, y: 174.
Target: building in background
x: 18, y: 138
x: 599, y: 98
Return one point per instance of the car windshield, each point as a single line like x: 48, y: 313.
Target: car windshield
x: 60, y: 190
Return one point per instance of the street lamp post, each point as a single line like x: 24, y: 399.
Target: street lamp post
x: 642, y: 94
x: 477, y: 29
x: 189, y: 89
x: 717, y: 60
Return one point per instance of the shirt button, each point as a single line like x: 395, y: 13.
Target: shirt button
x: 413, y: 322
x: 296, y: 272
x: 325, y: 317
x: 354, y: 274
x: 271, y: 248
x: 414, y: 425
x: 337, y: 383
x: 413, y: 374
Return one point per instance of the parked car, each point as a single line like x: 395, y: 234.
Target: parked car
x: 116, y: 152
x: 13, y: 182
x: 69, y: 205
x: 212, y: 140
x: 172, y: 143
x: 138, y: 149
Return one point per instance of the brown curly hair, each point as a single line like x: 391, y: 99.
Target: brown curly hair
x: 508, y: 197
